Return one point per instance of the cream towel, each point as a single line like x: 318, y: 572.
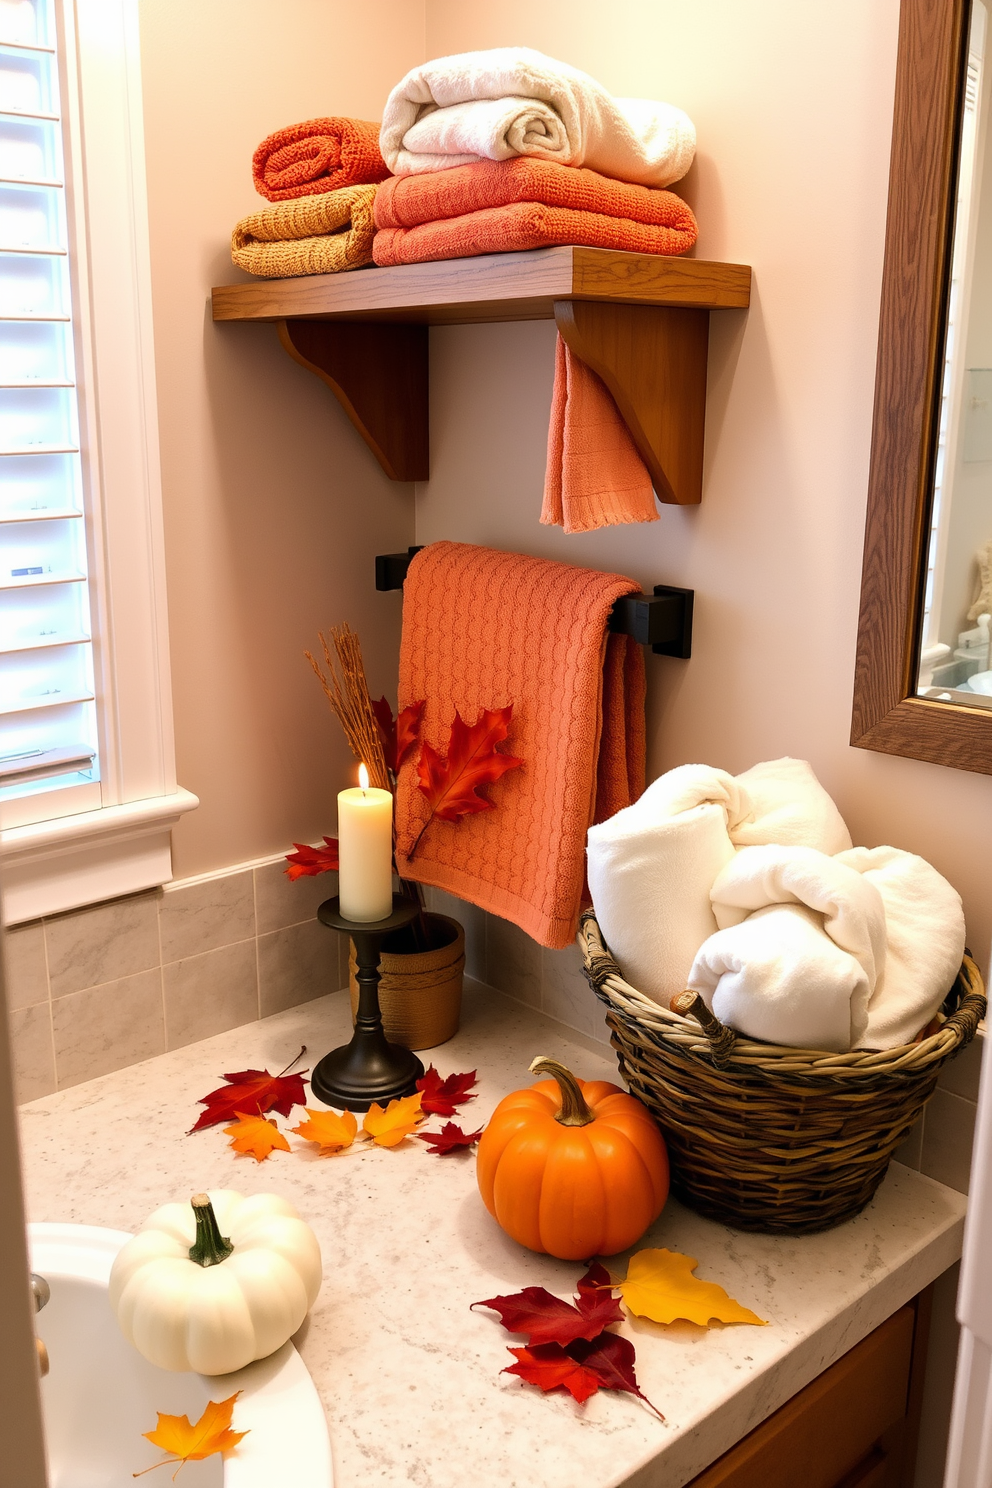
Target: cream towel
x: 650, y: 868
x: 790, y: 806
x: 776, y: 976
x: 851, y: 906
x: 925, y: 930
x: 515, y: 101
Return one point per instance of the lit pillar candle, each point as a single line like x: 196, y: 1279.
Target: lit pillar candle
x: 365, y: 851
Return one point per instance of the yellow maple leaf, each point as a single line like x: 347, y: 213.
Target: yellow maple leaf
x: 660, y: 1285
x: 185, y: 1443
x: 330, y: 1131
x: 388, y: 1127
x: 257, y: 1135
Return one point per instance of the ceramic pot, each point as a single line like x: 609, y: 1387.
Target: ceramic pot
x: 420, y: 992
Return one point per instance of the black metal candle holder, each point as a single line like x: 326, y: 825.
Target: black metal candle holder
x: 369, y: 1068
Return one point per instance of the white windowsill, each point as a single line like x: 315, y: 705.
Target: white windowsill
x: 51, y: 866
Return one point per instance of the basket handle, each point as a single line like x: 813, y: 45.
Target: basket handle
x: 721, y: 1038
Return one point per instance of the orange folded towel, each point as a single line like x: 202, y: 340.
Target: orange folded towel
x: 595, y: 476
x: 518, y: 226
x: 318, y: 155
x: 409, y: 201
x: 484, y: 629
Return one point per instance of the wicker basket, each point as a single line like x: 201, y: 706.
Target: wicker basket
x: 766, y: 1138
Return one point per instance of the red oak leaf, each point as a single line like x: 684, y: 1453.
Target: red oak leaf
x: 253, y: 1091
x: 451, y: 785
x: 585, y: 1366
x: 545, y: 1318
x: 450, y: 1138
x: 397, y: 735
x: 443, y: 1097
x: 309, y: 861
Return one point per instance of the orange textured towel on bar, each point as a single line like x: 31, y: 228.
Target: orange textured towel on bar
x: 409, y: 201
x: 318, y: 155
x: 595, y: 476
x: 484, y: 629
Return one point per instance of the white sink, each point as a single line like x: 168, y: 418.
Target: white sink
x: 100, y: 1394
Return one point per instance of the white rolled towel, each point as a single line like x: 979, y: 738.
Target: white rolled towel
x: 789, y: 807
x: 777, y: 976
x: 853, y: 915
x: 509, y: 101
x: 650, y: 870
x: 925, y: 933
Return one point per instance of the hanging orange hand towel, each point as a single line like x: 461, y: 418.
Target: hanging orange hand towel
x: 484, y: 629
x: 595, y: 476
x: 317, y: 155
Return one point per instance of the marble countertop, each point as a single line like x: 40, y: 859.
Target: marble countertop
x: 409, y: 1376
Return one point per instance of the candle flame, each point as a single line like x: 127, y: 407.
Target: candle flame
x: 363, y: 777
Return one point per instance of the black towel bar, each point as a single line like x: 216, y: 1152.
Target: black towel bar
x: 662, y: 620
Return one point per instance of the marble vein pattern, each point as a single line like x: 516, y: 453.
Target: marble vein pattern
x: 410, y: 1377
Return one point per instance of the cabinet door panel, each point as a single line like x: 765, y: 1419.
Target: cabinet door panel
x: 826, y: 1430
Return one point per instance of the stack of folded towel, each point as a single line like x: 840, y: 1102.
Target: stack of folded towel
x: 321, y: 178
x: 748, y: 891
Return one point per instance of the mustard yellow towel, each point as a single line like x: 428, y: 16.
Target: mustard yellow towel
x: 310, y: 235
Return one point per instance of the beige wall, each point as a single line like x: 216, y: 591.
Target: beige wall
x: 274, y: 509
x: 793, y: 105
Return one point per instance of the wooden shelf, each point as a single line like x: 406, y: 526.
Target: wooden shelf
x: 638, y: 320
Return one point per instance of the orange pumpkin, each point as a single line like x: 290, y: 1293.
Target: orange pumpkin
x: 572, y: 1169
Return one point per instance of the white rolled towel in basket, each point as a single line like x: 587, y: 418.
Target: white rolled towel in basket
x: 651, y: 866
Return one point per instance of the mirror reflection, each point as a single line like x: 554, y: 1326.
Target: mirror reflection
x: 955, y: 661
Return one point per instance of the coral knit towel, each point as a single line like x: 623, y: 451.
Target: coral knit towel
x: 483, y: 629
x: 318, y: 155
x: 311, y: 235
x: 595, y: 476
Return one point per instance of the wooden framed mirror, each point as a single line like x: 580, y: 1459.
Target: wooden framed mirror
x: 897, y: 708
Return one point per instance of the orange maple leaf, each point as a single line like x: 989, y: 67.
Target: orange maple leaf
x: 309, y: 861
x: 185, y: 1443
x: 388, y: 1127
x: 397, y: 735
x: 257, y: 1135
x: 328, y: 1130
x: 451, y: 785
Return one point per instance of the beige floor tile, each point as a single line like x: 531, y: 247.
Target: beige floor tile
x: 194, y: 918
x: 34, y: 1060
x: 295, y: 965
x: 24, y: 957
x: 513, y: 961
x: 948, y: 1136
x: 280, y: 901
x: 92, y: 946
x: 210, y: 993
x: 106, y: 1028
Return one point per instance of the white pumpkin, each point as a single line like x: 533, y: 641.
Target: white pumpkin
x: 213, y: 1284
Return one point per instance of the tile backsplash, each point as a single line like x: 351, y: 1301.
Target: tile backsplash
x: 100, y: 988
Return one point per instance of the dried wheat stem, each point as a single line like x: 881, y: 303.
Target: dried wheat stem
x: 347, y: 690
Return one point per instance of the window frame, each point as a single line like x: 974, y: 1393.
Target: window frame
x: 53, y: 859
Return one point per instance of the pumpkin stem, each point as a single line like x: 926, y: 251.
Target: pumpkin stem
x: 210, y: 1247
x: 574, y: 1111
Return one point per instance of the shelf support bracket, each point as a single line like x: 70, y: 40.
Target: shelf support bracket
x: 378, y: 373
x: 653, y: 360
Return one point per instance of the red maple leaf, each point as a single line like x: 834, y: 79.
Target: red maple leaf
x: 443, y: 1097
x: 309, y: 861
x: 545, y: 1318
x: 451, y: 785
x: 585, y: 1366
x: 397, y: 735
x: 253, y: 1091
x: 450, y: 1138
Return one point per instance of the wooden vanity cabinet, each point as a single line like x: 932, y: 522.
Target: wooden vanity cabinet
x: 854, y: 1426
